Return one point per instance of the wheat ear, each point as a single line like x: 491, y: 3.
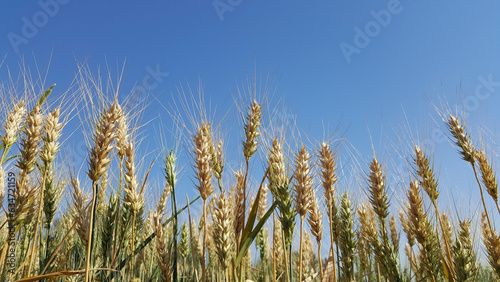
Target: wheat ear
x: 488, y: 177
x: 204, y: 175
x: 303, y: 186
x: 98, y: 163
x: 328, y: 175
x: 316, y: 223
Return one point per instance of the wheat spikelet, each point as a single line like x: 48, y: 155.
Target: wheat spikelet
x: 122, y: 135
x: 328, y: 174
x: 107, y: 227
x: 315, y: 219
x: 163, y: 257
x: 239, y: 210
x: 24, y: 194
x: 133, y: 198
x: 406, y: 228
x: 488, y: 176
x: 378, y: 195
x: 184, y: 244
x: 364, y: 252
x: 303, y: 182
x: 279, y: 186
x: 81, y: 212
x: 262, y: 237
x: 492, y: 244
x: 103, y: 136
x: 464, y: 256
x: 413, y: 262
x: 202, y: 159
x: 394, y: 234
x: 101, y: 194
x: 29, y: 144
x: 51, y: 198
x: 162, y: 202
x: 425, y: 172
x: 447, y: 228
x: 462, y: 139
x: 424, y: 234
x: 279, y: 252
x: 347, y: 242
x: 196, y: 241
x: 252, y: 130
x: 52, y: 134
x: 13, y: 123
x: 222, y: 234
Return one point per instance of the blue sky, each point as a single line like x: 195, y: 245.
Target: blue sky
x: 426, y: 49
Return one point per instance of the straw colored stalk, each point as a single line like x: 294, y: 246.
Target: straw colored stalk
x: 204, y: 175
x: 328, y: 175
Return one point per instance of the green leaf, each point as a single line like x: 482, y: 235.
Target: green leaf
x: 11, y: 157
x: 253, y: 234
x: 251, y: 217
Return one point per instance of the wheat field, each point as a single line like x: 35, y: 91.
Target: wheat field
x: 284, y: 203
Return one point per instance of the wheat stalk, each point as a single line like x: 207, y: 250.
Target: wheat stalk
x: 203, y: 170
x: 98, y: 163
x: 328, y: 175
x: 303, y: 186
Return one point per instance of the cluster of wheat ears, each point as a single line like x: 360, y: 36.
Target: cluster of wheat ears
x: 104, y: 233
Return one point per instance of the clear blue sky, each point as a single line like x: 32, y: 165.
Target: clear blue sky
x: 426, y: 48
